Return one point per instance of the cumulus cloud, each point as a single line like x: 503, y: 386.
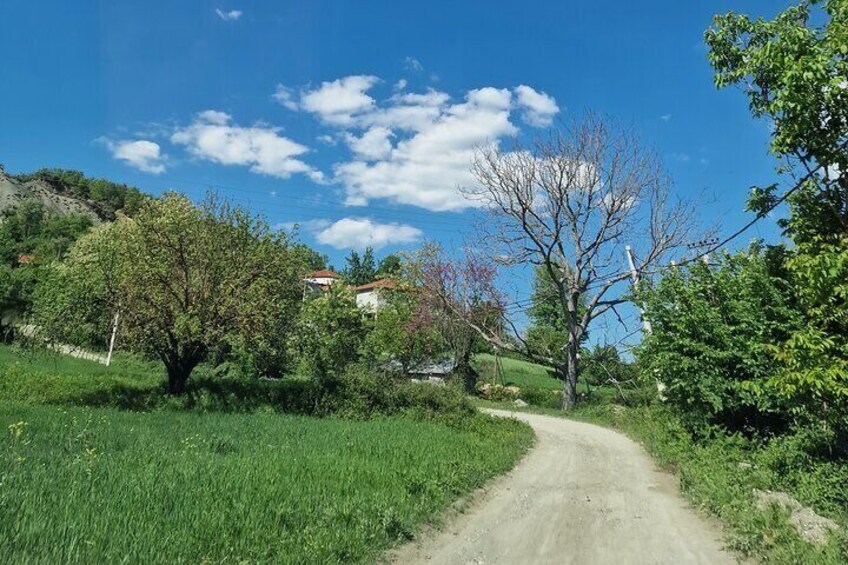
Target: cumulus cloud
x: 427, y: 167
x: 213, y: 136
x: 339, y: 101
x: 374, y: 144
x: 359, y: 233
x: 229, y: 15
x: 142, y: 154
x: 415, y: 147
x: 538, y: 108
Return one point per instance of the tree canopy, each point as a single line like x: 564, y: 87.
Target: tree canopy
x: 184, y: 278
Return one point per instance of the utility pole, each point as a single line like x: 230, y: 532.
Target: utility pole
x: 112, y: 339
x: 646, y: 325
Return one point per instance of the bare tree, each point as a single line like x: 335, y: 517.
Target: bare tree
x: 569, y: 202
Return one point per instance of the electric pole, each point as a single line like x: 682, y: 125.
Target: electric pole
x: 646, y: 325
x: 112, y: 339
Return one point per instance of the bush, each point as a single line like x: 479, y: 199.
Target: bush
x: 497, y: 393
x: 710, y: 327
x: 542, y: 397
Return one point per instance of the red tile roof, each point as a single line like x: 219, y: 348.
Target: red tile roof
x: 323, y: 275
x: 379, y: 283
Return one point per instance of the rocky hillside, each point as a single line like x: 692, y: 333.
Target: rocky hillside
x: 13, y: 192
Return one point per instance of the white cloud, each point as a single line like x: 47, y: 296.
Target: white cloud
x: 228, y: 16
x: 374, y: 144
x: 539, y: 108
x: 359, y: 233
x: 682, y: 157
x: 666, y: 117
x: 339, y: 101
x: 142, y: 154
x: 413, y: 64
x: 401, y: 84
x: 213, y: 137
x: 414, y: 148
x: 285, y: 96
x: 427, y: 168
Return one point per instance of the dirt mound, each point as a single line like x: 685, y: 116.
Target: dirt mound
x: 13, y: 192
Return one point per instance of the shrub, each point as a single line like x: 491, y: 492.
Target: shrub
x: 542, y: 397
x: 497, y: 393
x: 329, y: 333
x: 710, y: 327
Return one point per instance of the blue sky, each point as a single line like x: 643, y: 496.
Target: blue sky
x: 352, y: 118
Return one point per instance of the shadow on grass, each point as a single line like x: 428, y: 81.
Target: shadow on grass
x: 210, y: 395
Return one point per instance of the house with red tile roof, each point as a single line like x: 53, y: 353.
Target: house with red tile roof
x: 321, y: 280
x: 371, y: 297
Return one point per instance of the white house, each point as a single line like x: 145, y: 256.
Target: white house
x: 321, y: 280
x: 370, y: 297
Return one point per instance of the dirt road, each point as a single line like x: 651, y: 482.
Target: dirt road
x: 585, y: 495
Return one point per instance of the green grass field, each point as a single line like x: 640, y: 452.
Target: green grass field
x: 516, y: 372
x: 86, y: 485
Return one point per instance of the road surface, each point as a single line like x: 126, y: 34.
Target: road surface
x: 584, y: 494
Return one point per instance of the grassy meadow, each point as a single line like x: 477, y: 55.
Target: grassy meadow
x: 516, y: 373
x: 82, y: 484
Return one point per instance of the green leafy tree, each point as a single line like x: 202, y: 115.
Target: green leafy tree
x: 360, y: 268
x: 401, y: 333
x: 390, y: 266
x: 329, y: 333
x: 186, y: 279
x: 28, y: 230
x: 311, y: 259
x: 794, y: 69
x: 710, y: 327
x: 603, y: 365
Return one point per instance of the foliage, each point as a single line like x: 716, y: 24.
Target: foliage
x: 28, y: 230
x: 397, y: 334
x: 457, y: 299
x: 795, y: 71
x: 329, y: 333
x: 814, y: 378
x: 39, y: 377
x: 360, y: 269
x: 794, y: 74
x: 390, y: 266
x: 106, y: 196
x: 602, y: 364
x: 84, y: 486
x: 311, y: 259
x: 710, y: 324
x: 185, y: 279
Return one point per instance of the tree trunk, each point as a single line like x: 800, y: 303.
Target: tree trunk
x: 569, y: 387
x: 467, y: 372
x: 572, y: 355
x: 178, y: 373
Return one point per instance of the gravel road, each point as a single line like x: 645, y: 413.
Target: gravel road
x: 584, y: 494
